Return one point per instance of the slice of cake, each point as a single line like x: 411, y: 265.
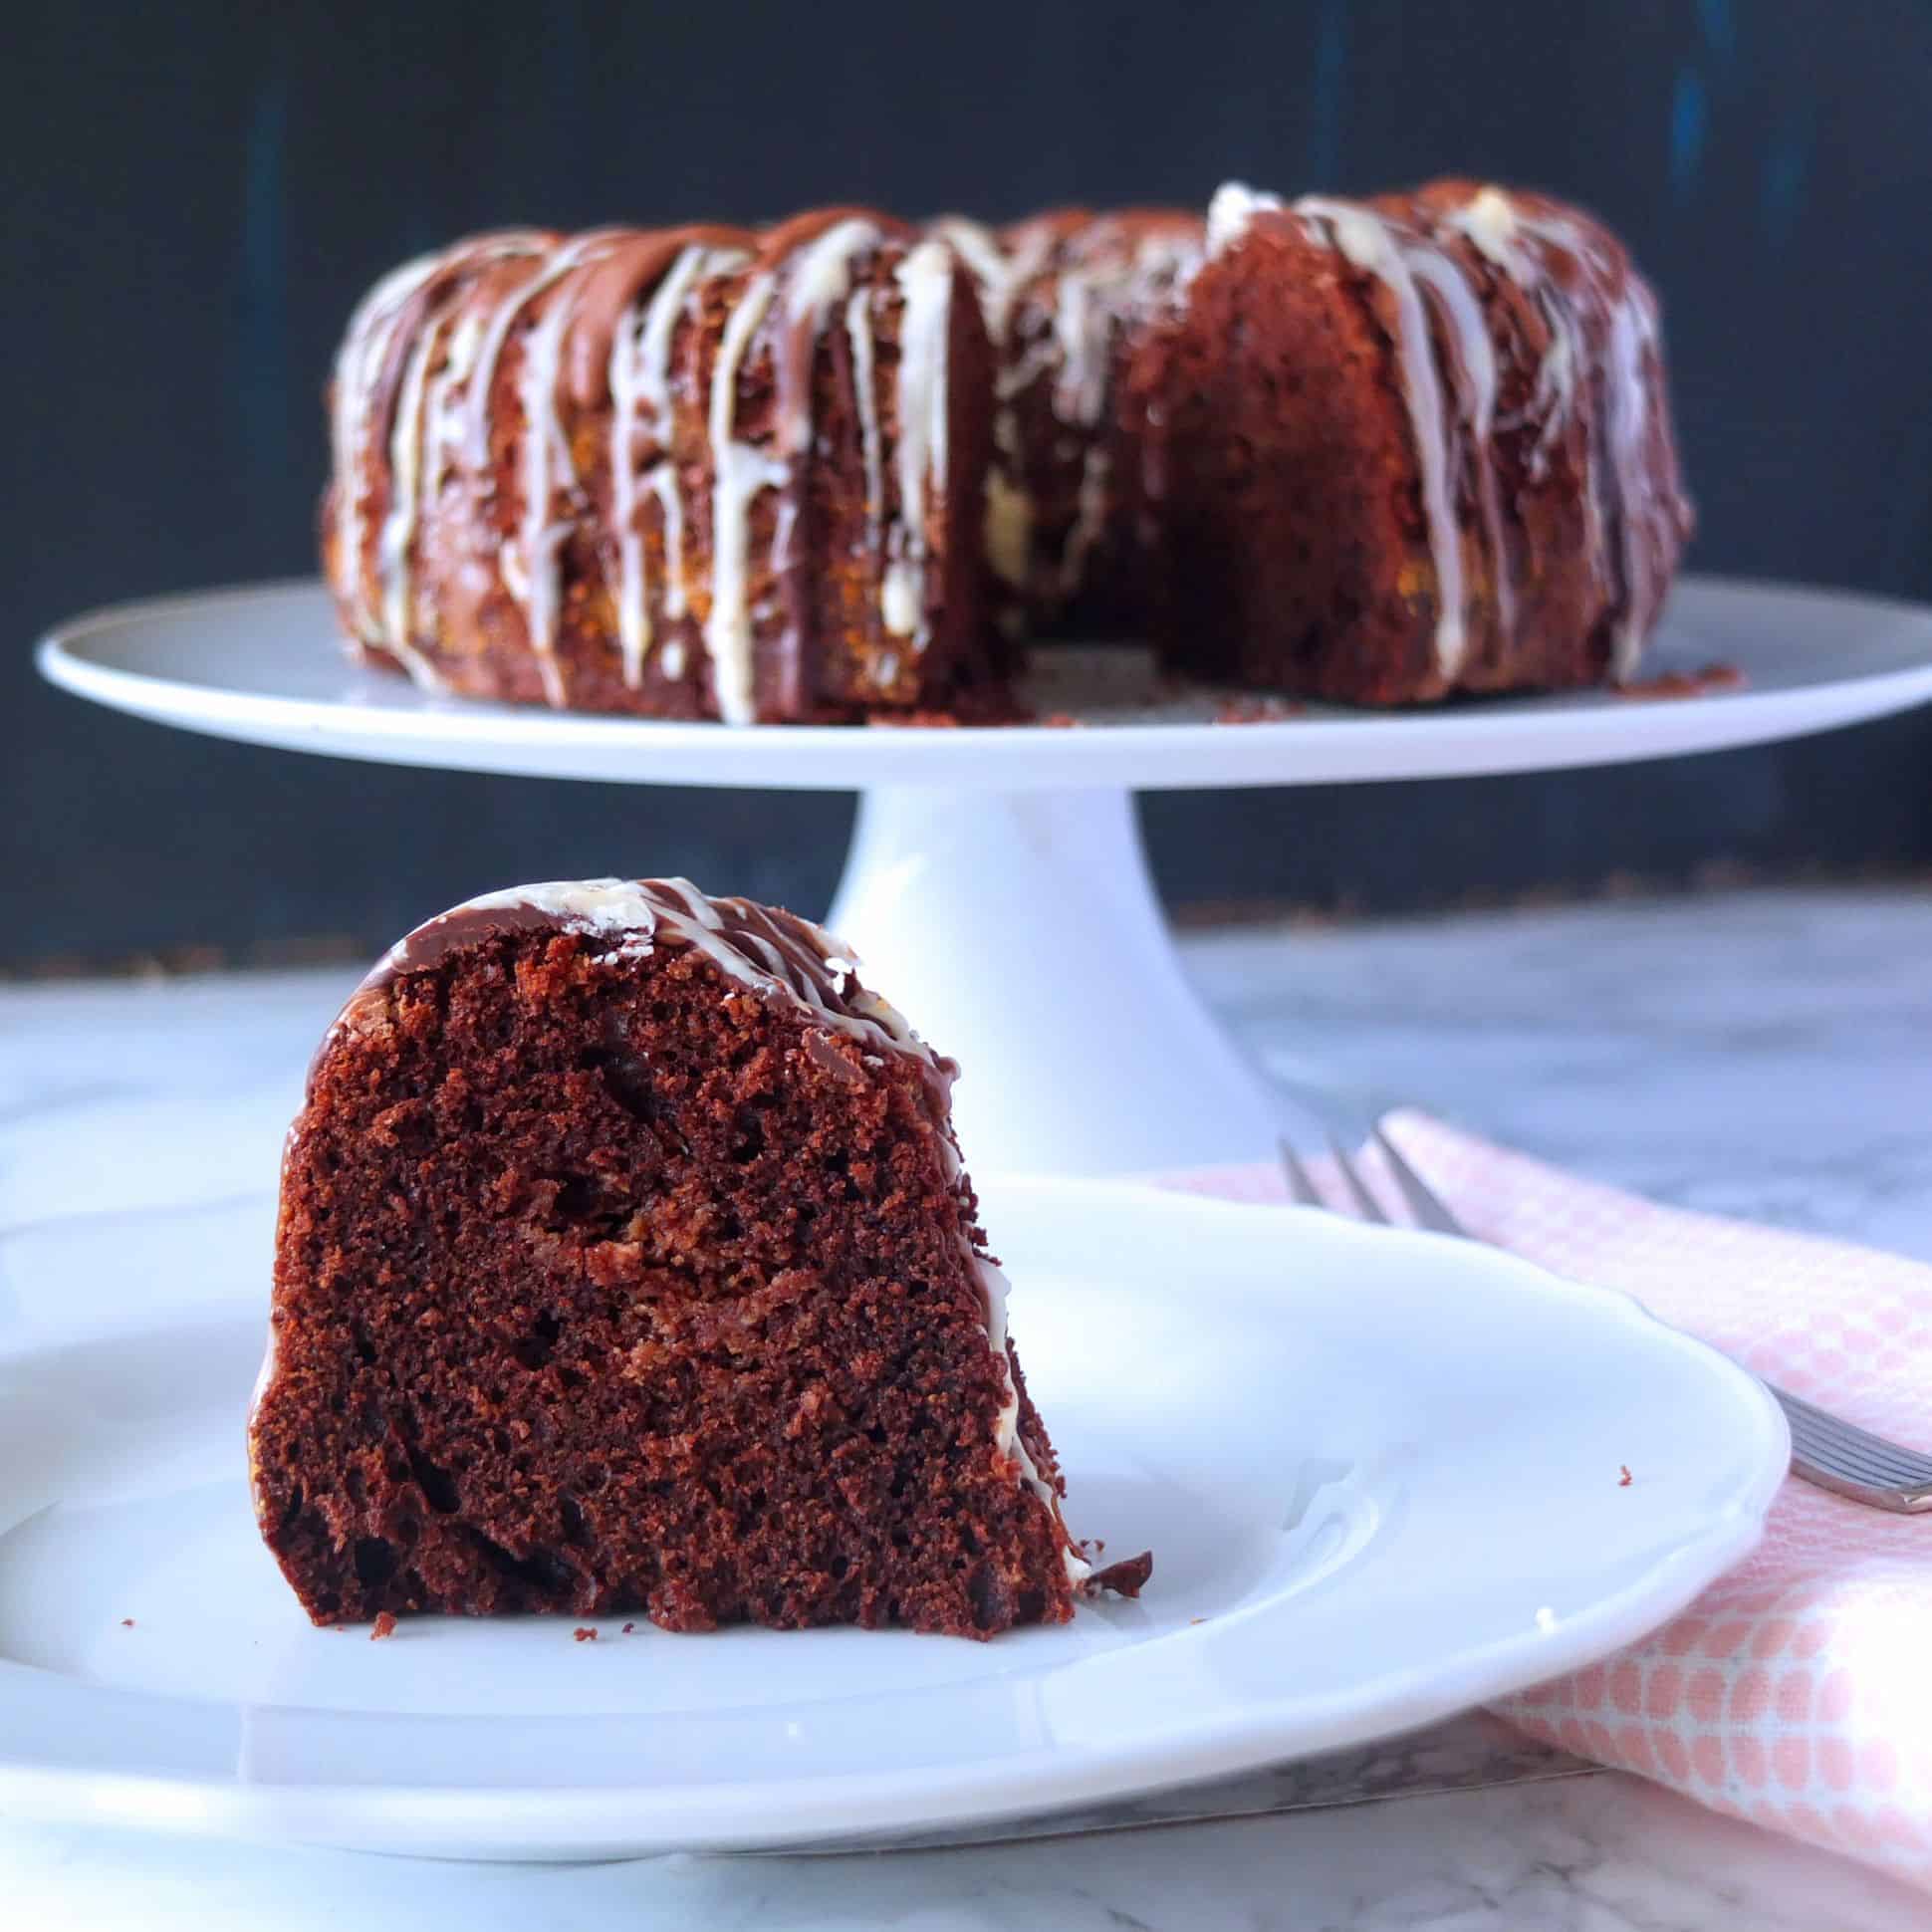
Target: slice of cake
x: 626, y: 1263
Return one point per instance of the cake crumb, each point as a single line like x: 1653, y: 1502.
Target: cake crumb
x: 385, y: 1626
x: 1258, y: 711
x: 1684, y: 684
x: 1127, y: 1578
x: 127, y: 1622
x: 584, y: 1633
x: 1623, y: 1475
x: 628, y: 1628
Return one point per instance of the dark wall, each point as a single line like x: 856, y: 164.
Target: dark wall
x: 199, y: 192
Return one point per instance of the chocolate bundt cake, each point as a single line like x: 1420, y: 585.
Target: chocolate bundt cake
x: 626, y: 1263
x: 1380, y: 451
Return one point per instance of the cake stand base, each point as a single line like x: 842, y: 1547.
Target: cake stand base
x: 1022, y: 931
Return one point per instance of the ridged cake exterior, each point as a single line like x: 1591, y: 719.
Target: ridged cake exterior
x: 695, y: 473
x: 1382, y: 453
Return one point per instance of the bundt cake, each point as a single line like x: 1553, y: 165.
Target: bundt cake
x: 625, y: 1262
x: 1380, y: 451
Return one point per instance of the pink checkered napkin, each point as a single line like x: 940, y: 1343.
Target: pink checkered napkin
x: 1797, y: 1692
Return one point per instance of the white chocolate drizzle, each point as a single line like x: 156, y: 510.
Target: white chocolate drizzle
x: 815, y: 278
x: 864, y: 380
x: 925, y: 280
x: 1232, y: 210
x: 1056, y: 301
x: 532, y: 575
x: 383, y: 620
x: 398, y: 537
x: 1472, y: 364
x: 999, y: 271
x: 641, y: 409
x: 1420, y: 274
x: 1497, y: 226
x: 359, y: 365
x: 738, y: 472
x: 1373, y: 246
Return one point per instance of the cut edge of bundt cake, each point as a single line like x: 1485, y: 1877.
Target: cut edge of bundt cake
x: 1414, y: 448
x: 624, y: 1261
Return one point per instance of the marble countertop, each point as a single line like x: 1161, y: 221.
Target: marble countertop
x: 1755, y: 1053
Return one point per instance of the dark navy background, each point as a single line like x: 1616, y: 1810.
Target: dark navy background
x: 197, y: 193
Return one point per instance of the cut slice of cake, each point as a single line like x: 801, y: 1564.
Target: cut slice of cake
x: 625, y: 1262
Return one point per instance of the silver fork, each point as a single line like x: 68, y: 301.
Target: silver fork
x: 1826, y: 1449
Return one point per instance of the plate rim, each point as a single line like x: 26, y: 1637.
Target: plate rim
x: 608, y: 1821
x: 1504, y: 734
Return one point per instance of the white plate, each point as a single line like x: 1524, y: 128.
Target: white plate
x: 1380, y: 1472
x: 264, y: 664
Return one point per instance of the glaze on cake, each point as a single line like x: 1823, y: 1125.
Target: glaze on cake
x: 696, y: 473
x: 625, y: 1262
x: 1381, y: 451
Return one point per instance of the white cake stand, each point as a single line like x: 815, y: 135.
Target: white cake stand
x: 996, y: 887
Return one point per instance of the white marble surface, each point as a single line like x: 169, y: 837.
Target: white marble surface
x: 1760, y: 1054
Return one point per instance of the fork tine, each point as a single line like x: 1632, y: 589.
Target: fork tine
x: 1830, y: 1438
x: 1820, y: 1446
x: 1367, y: 1204
x: 1428, y: 1207
x: 1301, y: 1183
x: 1838, y: 1455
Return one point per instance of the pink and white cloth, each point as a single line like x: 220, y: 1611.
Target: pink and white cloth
x: 1797, y: 1692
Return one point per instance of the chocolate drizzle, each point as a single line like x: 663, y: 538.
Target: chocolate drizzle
x: 777, y: 954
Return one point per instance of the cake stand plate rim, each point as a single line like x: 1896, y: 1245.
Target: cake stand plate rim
x: 254, y: 662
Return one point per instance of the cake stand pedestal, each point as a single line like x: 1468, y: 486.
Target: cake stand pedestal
x: 996, y: 887
x: 1025, y: 927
